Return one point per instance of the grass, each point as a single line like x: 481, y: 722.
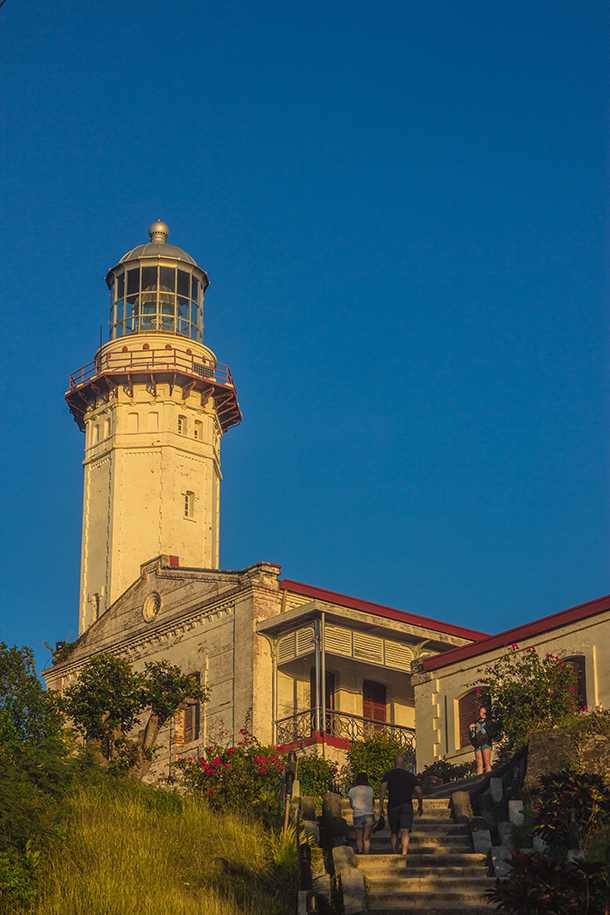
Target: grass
x: 131, y: 850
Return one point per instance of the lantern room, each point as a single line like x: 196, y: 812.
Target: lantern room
x: 157, y: 288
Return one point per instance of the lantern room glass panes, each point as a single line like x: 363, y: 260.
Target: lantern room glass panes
x: 156, y: 298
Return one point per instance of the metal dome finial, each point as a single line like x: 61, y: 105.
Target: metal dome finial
x: 158, y: 232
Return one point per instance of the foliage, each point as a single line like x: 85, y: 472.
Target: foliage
x: 538, y: 885
x: 27, y: 713
x: 559, y: 792
x: 109, y: 698
x: 234, y: 777
x: 136, y: 850
x: 375, y: 755
x: 316, y: 775
x: 447, y: 771
x: 528, y: 693
x: 18, y: 878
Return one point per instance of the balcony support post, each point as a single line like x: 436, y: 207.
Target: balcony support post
x: 317, y: 726
x: 323, y: 680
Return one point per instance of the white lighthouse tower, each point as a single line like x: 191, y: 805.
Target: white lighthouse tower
x: 154, y: 405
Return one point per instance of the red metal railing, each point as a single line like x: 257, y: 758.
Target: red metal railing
x: 151, y: 360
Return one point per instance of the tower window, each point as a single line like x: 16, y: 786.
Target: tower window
x: 189, y: 504
x: 182, y: 425
x: 198, y: 433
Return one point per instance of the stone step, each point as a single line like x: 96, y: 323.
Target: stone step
x: 434, y: 858
x: 421, y: 900
x: 430, y: 803
x: 415, y: 871
x: 393, y: 882
x: 422, y: 829
x: 431, y: 909
x: 416, y: 840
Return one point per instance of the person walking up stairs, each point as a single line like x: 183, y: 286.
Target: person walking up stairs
x: 441, y: 875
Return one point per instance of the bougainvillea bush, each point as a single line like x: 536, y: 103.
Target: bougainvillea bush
x: 235, y: 777
x: 528, y: 692
x: 374, y: 755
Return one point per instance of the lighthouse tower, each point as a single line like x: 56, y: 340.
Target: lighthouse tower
x: 153, y: 405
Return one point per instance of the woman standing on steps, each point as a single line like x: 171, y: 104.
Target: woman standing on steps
x: 362, y: 800
x: 482, y: 732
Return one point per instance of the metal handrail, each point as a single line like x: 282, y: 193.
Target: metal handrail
x: 340, y: 724
x: 152, y: 360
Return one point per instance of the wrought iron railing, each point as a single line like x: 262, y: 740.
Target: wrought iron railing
x: 152, y: 360
x: 340, y: 724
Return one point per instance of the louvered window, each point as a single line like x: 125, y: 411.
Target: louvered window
x: 338, y: 641
x: 398, y: 655
x: 286, y: 649
x: 305, y: 641
x: 191, y: 723
x: 368, y: 648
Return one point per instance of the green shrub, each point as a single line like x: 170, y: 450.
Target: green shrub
x: 316, y: 775
x: 447, y: 771
x: 559, y: 792
x: 537, y: 885
x: 18, y: 878
x: 375, y: 755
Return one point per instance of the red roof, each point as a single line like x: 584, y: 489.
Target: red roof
x: 332, y: 597
x: 521, y: 633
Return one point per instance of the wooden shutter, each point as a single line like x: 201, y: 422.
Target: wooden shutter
x: 469, y: 712
x: 374, y: 700
x: 191, y: 723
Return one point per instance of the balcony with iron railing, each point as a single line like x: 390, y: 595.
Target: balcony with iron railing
x: 342, y: 725
x: 145, y: 360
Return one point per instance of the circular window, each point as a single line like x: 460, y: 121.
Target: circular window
x: 151, y: 607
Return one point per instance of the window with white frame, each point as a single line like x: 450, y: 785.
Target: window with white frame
x: 189, y: 504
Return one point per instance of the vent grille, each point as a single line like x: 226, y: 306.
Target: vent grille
x: 338, y: 641
x: 368, y: 648
x: 398, y: 655
x: 206, y: 371
x: 305, y: 640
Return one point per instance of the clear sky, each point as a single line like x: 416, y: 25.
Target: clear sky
x: 402, y: 208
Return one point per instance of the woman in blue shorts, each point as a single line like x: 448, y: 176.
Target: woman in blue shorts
x: 362, y: 800
x: 482, y: 732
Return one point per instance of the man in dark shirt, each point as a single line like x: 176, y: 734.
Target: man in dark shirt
x: 400, y: 786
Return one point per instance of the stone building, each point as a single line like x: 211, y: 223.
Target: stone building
x: 306, y: 667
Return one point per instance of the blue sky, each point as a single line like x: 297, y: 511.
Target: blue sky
x: 402, y: 208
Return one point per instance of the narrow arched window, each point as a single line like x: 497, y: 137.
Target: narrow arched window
x: 189, y: 504
x: 182, y: 425
x: 198, y: 431
x: 577, y: 663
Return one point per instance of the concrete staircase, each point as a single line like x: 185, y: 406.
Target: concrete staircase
x: 441, y: 875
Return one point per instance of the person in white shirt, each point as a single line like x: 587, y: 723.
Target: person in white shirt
x: 362, y: 801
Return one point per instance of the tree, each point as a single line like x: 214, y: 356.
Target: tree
x: 527, y: 693
x: 27, y: 713
x: 108, y: 700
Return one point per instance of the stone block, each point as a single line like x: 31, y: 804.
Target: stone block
x: 460, y: 802
x: 574, y: 854
x: 481, y: 841
x: 354, y: 892
x: 548, y: 751
x: 331, y: 805
x: 296, y: 788
x: 344, y: 859
x: 539, y: 844
x: 515, y: 812
x: 336, y: 831
x: 505, y: 831
x: 496, y: 789
x: 500, y: 858
x: 308, y: 808
x: 312, y: 829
